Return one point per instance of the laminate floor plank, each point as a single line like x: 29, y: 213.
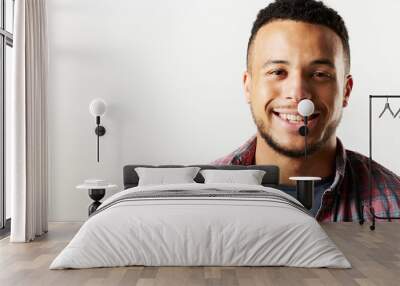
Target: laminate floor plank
x: 374, y: 255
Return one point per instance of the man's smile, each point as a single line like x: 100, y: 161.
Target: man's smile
x: 291, y: 120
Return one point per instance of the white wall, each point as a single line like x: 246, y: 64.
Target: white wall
x: 171, y: 74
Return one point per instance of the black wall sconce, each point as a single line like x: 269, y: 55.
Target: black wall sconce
x: 305, y: 184
x: 97, y: 108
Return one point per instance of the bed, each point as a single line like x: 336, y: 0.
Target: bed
x: 201, y: 224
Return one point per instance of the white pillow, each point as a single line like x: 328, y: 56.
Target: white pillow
x: 249, y: 177
x: 162, y: 176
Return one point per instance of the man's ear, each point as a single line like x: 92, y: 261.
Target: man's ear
x: 247, y: 85
x: 347, y: 90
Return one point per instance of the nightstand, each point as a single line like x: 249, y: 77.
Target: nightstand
x: 96, y: 193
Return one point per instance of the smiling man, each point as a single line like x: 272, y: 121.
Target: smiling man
x: 299, y: 49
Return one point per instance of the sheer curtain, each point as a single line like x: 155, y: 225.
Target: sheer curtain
x: 28, y: 122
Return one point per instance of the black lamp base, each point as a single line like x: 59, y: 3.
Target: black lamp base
x: 96, y: 195
x: 305, y: 193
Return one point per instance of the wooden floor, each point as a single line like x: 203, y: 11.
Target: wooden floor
x: 375, y: 257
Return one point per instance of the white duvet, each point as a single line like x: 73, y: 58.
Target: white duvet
x: 200, y: 231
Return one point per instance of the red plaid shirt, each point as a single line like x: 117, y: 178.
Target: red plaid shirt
x: 349, y: 194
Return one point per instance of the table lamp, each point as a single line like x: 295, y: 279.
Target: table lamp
x: 305, y: 185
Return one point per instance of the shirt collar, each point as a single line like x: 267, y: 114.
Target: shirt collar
x: 246, y: 155
x: 340, y: 161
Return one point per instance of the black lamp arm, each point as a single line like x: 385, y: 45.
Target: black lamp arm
x: 100, y: 131
x: 305, y: 136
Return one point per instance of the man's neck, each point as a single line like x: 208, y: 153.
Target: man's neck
x: 319, y: 164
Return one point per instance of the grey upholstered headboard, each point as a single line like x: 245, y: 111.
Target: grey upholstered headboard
x: 271, y: 177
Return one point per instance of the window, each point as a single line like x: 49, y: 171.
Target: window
x: 6, y: 44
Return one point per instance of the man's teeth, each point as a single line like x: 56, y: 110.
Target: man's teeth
x: 291, y: 117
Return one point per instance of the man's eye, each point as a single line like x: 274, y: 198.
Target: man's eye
x: 278, y: 72
x: 323, y: 75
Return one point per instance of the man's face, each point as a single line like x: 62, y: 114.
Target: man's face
x: 290, y: 61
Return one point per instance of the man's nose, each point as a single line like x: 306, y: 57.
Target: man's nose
x: 297, y: 88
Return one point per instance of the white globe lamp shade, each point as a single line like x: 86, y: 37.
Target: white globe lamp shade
x: 305, y: 107
x: 97, y: 107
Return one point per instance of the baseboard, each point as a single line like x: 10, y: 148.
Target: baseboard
x: 66, y: 221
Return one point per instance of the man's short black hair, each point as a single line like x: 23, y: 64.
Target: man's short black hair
x: 309, y: 11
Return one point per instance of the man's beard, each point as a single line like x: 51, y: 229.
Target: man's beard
x: 293, y: 153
